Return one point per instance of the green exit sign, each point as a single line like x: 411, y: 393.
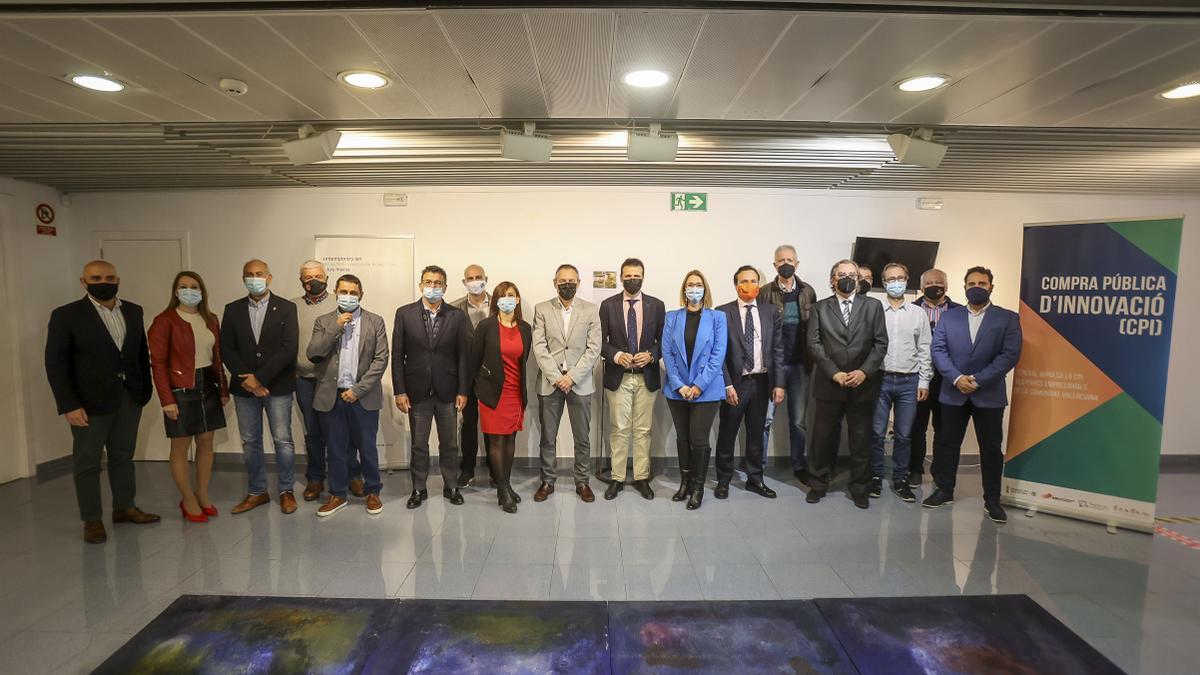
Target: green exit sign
x: 689, y: 201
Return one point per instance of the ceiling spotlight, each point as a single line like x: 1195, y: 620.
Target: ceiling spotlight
x: 646, y: 78
x: 363, y: 79
x: 922, y: 83
x: 97, y: 83
x: 1187, y: 90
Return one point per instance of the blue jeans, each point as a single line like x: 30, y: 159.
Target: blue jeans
x: 899, y: 392
x: 349, y: 426
x: 796, y: 382
x: 314, y: 436
x: 279, y: 416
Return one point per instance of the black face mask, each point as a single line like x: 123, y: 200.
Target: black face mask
x: 632, y: 286
x: 977, y: 295
x: 786, y: 270
x: 934, y: 293
x: 846, y: 285
x: 102, y: 292
x: 864, y: 287
x: 315, y: 287
x: 567, y: 291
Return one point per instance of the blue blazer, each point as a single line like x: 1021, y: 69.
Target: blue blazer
x: 995, y: 352
x: 708, y: 355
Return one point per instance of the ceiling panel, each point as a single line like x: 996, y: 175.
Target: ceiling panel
x: 39, y: 108
x: 574, y: 53
x: 650, y: 41
x: 497, y: 52
x: 729, y: 50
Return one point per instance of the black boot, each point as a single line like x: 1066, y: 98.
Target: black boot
x: 696, y: 496
x: 685, y: 487
x: 504, y: 498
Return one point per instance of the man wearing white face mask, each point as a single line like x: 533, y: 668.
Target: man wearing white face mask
x: 477, y: 304
x: 907, y: 369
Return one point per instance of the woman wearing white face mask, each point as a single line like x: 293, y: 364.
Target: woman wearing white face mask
x: 499, y: 352
x: 185, y: 360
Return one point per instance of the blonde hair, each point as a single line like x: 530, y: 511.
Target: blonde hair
x: 706, y: 301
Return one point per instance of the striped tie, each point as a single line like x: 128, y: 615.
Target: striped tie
x: 846, y: 312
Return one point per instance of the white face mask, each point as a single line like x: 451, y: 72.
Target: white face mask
x: 476, y: 287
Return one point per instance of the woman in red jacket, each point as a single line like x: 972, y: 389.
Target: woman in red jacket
x: 185, y: 360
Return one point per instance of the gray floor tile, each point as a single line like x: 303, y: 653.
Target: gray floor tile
x: 456, y: 549
x: 597, y: 552
x: 735, y: 582
x: 719, y: 551
x: 367, y: 580
x: 661, y: 582
x: 513, y: 582
x: 587, y: 582
x: 450, y: 580
x: 654, y: 551
x: 802, y: 581
x: 522, y: 550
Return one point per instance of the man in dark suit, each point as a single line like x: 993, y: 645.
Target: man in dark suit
x: 631, y: 326
x: 974, y: 348
x: 430, y: 380
x: 259, y: 342
x: 935, y: 302
x: 98, y: 365
x: 754, y: 371
x: 847, y: 337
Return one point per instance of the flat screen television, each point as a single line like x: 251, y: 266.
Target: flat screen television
x: 875, y: 252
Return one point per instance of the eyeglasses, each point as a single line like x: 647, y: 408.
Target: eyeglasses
x: 433, y: 284
x: 889, y: 280
x: 846, y: 275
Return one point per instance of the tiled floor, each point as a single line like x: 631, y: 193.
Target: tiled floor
x: 67, y: 605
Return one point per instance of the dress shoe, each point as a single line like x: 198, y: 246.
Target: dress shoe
x: 313, y: 490
x: 356, y: 488
x: 504, y: 498
x: 939, y: 497
x: 643, y: 488
x: 876, y: 487
x: 93, y: 532
x: 801, y: 476
x: 585, y: 493
x: 287, y: 502
x: 995, y: 512
x: 250, y: 502
x: 136, y: 516
x: 914, y: 479
x: 722, y: 491
x: 814, y: 496
x: 614, y: 489
x: 543, y: 492
x: 454, y: 496
x: 416, y: 498
x: 332, y: 506
x: 465, y: 478
x: 512, y: 493
x: 861, y: 501
x: 210, y: 511
x: 685, y: 487
x: 695, y: 497
x: 759, y: 488
x: 374, y: 504
x: 903, y: 491
x: 192, y: 518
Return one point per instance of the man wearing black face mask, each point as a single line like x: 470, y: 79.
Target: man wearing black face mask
x: 566, y: 344
x: 98, y: 365
x: 935, y: 302
x: 866, y: 279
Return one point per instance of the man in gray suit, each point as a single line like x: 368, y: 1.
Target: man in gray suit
x: 566, y: 344
x: 349, y: 348
x: 477, y: 304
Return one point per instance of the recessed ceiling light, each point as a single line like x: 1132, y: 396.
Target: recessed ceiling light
x: 922, y: 82
x: 97, y: 83
x: 1187, y: 90
x: 363, y: 79
x: 646, y: 78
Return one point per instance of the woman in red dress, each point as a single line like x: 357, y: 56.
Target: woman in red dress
x: 499, y: 352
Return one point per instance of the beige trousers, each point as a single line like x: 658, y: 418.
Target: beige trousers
x: 630, y: 410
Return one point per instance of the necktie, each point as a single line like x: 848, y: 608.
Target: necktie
x: 846, y: 312
x: 748, y: 341
x: 631, y: 327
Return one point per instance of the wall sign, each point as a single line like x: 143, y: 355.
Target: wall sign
x: 689, y: 201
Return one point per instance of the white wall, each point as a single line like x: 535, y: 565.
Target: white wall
x: 522, y: 234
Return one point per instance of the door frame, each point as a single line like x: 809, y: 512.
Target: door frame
x: 181, y: 236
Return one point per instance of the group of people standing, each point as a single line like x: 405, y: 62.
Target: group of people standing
x: 860, y: 361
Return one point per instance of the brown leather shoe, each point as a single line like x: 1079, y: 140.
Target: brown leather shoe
x: 543, y: 492
x: 356, y: 488
x: 331, y: 507
x: 250, y: 502
x: 313, y: 490
x: 374, y: 504
x: 585, y: 493
x: 287, y: 502
x: 93, y: 532
x: 135, y: 516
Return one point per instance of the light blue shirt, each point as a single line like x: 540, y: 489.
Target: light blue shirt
x: 348, y: 352
x: 258, y: 313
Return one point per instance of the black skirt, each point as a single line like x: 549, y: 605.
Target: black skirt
x: 199, y: 408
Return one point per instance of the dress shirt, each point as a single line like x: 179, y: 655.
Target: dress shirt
x: 759, y: 367
x: 565, y: 310
x: 258, y: 314
x: 113, y: 320
x: 974, y: 319
x: 348, y: 352
x: 908, y: 342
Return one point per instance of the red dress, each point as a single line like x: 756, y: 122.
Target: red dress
x: 508, y: 416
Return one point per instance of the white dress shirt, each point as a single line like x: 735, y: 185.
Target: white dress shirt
x: 759, y: 367
x: 908, y: 342
x: 113, y: 320
x: 974, y: 319
x: 258, y: 314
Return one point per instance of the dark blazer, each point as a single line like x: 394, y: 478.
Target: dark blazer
x: 996, y: 349
x: 84, y: 366
x: 272, y: 359
x: 769, y: 323
x: 836, y: 347
x: 807, y: 298
x: 613, y: 339
x: 487, y: 366
x: 419, y: 368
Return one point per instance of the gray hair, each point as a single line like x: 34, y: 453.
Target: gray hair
x: 311, y: 263
x: 844, y: 261
x: 929, y: 271
x: 784, y: 247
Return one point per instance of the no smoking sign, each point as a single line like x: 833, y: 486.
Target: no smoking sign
x: 45, y: 216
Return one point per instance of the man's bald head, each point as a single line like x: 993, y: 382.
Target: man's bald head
x: 98, y: 272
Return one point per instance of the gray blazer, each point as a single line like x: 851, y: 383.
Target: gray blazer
x: 323, y: 350
x: 579, y: 347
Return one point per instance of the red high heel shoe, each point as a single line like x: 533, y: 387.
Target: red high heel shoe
x: 198, y: 518
x: 210, y: 511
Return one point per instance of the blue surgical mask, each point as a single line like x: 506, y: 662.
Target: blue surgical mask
x: 433, y: 293
x: 189, y: 297
x: 896, y: 289
x: 256, y: 285
x: 347, y: 302
x: 694, y: 293
x: 506, y: 304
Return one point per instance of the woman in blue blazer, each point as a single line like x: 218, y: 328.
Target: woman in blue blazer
x: 693, y: 352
